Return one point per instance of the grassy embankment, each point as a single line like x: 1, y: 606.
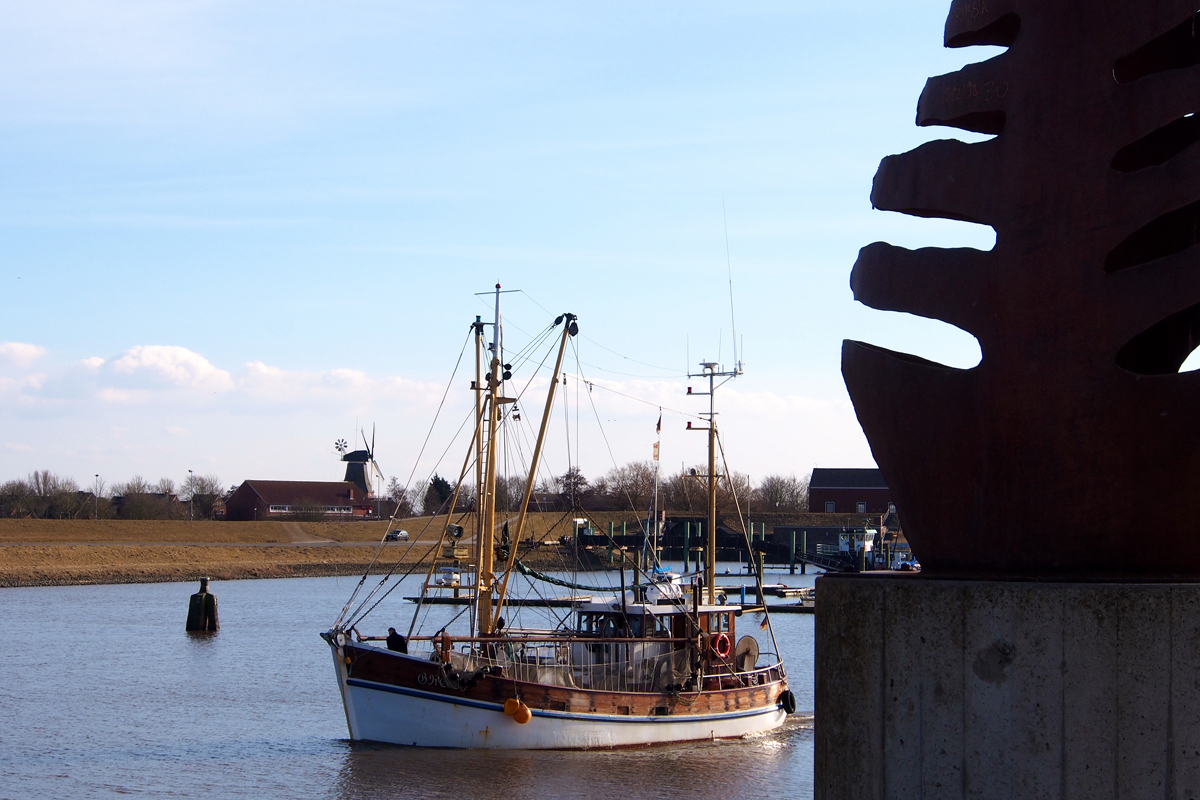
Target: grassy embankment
x: 59, y: 552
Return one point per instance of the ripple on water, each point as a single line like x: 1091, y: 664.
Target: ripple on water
x: 105, y: 696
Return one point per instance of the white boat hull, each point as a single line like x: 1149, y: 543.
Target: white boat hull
x: 395, y: 715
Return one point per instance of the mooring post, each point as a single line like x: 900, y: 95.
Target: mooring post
x: 202, y: 610
x: 792, y: 553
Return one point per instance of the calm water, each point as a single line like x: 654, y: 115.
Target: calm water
x: 103, y: 695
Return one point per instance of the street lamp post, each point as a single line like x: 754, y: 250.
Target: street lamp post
x: 191, y: 497
x: 96, y: 498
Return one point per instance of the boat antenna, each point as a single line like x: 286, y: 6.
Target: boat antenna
x: 729, y: 272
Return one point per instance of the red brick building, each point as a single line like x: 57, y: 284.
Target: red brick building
x: 265, y: 500
x: 847, y: 491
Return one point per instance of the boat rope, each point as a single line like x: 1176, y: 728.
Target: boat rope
x: 541, y: 576
x: 749, y: 546
x: 400, y: 559
x: 392, y: 520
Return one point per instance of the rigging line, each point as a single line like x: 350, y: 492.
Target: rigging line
x: 675, y: 374
x: 604, y: 435
x: 432, y: 425
x: 737, y: 504
x: 524, y: 354
x: 673, y: 370
x: 488, y: 306
x: 413, y: 541
x: 679, y: 603
x: 360, y: 616
x: 356, y: 613
x: 528, y: 548
x: 594, y: 385
x: 593, y: 341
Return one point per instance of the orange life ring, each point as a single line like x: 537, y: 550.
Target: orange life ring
x: 721, y: 645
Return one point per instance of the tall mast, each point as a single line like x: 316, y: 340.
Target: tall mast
x: 709, y: 370
x: 480, y: 489
x: 570, y: 329
x: 485, y: 573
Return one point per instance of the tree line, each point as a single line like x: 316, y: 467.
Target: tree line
x: 45, y: 495
x: 628, y: 487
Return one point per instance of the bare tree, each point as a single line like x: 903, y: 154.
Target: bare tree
x: 141, y: 500
x: 633, y: 483
x: 782, y: 493
x: 202, y: 493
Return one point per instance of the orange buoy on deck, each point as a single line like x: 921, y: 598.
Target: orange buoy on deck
x: 202, y: 610
x: 523, y: 714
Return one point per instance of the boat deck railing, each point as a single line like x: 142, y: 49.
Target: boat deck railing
x: 607, y: 664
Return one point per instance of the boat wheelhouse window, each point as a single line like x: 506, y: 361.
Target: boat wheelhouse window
x: 611, y: 625
x: 718, y: 623
x: 662, y: 624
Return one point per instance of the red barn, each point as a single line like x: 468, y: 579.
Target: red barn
x: 264, y: 500
x: 849, y: 491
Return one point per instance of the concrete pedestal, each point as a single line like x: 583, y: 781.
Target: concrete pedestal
x: 932, y: 688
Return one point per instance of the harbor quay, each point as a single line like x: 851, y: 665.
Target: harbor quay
x: 944, y: 688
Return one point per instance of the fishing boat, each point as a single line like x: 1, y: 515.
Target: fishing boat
x: 657, y: 660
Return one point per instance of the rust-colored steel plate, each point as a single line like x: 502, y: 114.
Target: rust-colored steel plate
x: 1073, y: 448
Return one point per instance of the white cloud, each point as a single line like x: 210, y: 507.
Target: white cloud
x: 175, y: 365
x: 164, y: 409
x: 20, y: 353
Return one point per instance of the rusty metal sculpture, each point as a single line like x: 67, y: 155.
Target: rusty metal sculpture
x: 1073, y: 448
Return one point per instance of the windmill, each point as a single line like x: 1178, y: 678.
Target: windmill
x: 361, y: 467
x: 341, y: 445
x: 374, y: 474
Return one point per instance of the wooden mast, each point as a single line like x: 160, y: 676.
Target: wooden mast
x: 569, y: 330
x: 485, y: 576
x: 479, y: 487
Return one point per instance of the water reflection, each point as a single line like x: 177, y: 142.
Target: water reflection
x: 760, y: 766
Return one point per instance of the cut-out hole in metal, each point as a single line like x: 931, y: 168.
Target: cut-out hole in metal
x: 1160, y: 146
x: 1001, y: 33
x: 1171, y: 233
x: 1162, y: 348
x: 1178, y: 48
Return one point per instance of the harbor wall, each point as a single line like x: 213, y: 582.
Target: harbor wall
x: 995, y: 689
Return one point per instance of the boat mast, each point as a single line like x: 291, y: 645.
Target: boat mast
x: 708, y: 369
x: 485, y: 577
x: 571, y: 328
x: 479, y: 487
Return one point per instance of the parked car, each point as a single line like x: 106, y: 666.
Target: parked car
x: 397, y: 536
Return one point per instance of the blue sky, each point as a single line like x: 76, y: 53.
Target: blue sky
x: 228, y: 231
